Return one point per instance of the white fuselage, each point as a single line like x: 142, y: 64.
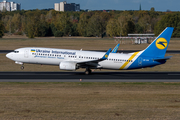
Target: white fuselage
x: 51, y: 56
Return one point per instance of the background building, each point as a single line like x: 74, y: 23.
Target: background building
x: 56, y: 6
x: 9, y: 6
x: 15, y: 6
x: 64, y: 6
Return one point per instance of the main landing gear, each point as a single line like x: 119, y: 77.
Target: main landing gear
x: 88, y: 71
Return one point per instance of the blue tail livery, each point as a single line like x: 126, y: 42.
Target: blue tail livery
x: 154, y: 54
x: 159, y: 46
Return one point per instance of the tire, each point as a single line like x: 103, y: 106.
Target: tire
x: 22, y: 67
x: 88, y: 72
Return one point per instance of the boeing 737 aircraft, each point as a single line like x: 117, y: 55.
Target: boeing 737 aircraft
x: 67, y: 59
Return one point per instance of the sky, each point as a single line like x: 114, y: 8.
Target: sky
x: 159, y: 5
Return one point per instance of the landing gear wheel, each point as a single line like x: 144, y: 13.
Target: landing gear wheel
x: 22, y: 67
x: 88, y: 71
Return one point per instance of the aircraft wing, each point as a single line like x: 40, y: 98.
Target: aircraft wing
x: 94, y: 62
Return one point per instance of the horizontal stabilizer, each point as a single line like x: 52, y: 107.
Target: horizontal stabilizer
x: 165, y: 58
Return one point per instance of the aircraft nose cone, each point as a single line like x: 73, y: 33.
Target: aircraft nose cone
x: 9, y: 55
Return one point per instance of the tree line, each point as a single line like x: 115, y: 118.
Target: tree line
x: 41, y: 23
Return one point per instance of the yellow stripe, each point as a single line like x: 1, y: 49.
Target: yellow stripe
x: 124, y: 65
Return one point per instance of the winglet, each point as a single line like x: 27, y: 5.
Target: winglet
x: 106, y: 55
x: 115, y: 49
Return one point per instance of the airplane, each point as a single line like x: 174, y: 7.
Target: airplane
x: 72, y: 60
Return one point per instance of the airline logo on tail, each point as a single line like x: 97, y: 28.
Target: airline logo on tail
x: 161, y: 43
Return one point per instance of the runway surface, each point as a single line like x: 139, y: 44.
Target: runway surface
x: 120, y: 51
x: 94, y: 77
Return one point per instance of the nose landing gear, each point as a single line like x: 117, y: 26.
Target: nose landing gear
x: 22, y: 67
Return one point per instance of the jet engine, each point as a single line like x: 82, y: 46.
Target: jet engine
x: 68, y: 66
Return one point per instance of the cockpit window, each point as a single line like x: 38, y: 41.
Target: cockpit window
x: 16, y: 51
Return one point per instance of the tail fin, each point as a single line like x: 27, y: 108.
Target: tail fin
x: 159, y: 46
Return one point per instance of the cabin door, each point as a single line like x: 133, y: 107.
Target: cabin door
x: 26, y: 53
x: 140, y: 61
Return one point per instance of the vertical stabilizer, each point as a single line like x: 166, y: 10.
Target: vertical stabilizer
x: 158, y: 47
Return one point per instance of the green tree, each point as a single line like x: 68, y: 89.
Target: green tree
x: 33, y: 21
x: 144, y: 22
x: 1, y: 29
x: 111, y: 28
x: 58, y: 33
x: 83, y: 23
x: 96, y: 25
x: 63, y: 23
x: 7, y: 22
x: 138, y: 28
x: 43, y: 27
x: 36, y: 24
x: 168, y: 20
x: 152, y: 9
x: 125, y: 25
x: 16, y: 23
x: 30, y: 28
x: 24, y: 23
x: 177, y: 31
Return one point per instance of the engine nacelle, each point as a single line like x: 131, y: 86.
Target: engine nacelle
x: 67, y: 66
